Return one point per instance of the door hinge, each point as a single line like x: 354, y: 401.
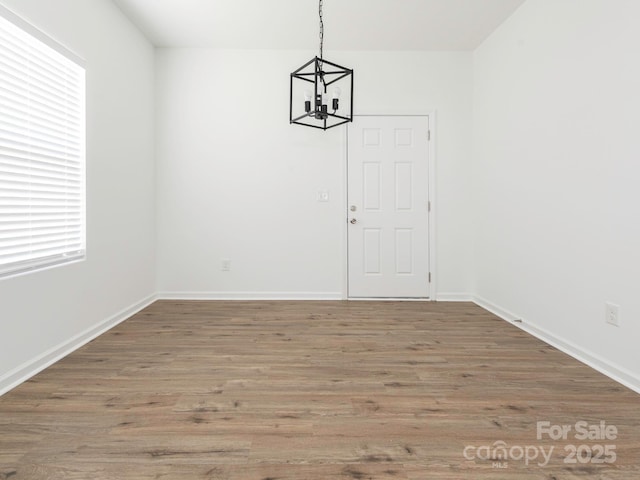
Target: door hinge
x: 428, y: 135
x: 429, y: 277
x: 429, y: 206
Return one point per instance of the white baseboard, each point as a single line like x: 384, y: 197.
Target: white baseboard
x: 611, y: 370
x: 250, y: 296
x: 387, y: 299
x: 498, y: 311
x: 32, y: 367
x: 454, y: 297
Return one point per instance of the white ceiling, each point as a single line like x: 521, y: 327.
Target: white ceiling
x: 293, y: 24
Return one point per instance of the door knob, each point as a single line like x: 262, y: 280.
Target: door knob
x: 353, y: 221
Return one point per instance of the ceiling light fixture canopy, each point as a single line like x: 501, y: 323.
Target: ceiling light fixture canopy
x: 325, y: 87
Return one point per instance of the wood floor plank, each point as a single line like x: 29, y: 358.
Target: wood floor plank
x: 313, y: 390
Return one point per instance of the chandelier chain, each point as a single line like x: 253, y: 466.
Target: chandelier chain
x: 321, y: 29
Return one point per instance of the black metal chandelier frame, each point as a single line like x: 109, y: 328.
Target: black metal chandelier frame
x: 322, y: 74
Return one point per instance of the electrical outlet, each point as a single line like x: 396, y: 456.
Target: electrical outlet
x: 612, y: 314
x: 225, y: 265
x: 323, y: 195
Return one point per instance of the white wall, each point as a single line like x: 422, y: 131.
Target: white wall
x: 44, y: 314
x: 236, y: 181
x: 556, y: 169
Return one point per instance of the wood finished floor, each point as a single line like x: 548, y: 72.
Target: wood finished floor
x: 309, y: 390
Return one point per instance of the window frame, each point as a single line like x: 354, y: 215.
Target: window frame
x: 77, y: 192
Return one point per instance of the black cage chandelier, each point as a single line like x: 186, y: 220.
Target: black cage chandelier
x: 327, y: 90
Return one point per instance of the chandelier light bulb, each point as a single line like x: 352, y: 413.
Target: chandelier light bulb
x: 336, y: 99
x: 307, y: 100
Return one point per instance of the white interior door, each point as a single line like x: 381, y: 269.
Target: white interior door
x: 388, y: 207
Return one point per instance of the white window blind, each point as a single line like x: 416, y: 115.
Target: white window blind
x: 42, y: 152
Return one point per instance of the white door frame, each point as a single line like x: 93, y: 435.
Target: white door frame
x: 432, y: 202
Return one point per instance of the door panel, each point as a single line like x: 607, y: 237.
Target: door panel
x: 371, y: 179
x: 372, y: 254
x: 388, y: 232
